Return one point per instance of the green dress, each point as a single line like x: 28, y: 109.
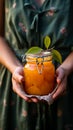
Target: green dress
x: 26, y: 25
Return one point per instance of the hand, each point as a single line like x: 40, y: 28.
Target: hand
x: 17, y: 82
x: 61, y: 78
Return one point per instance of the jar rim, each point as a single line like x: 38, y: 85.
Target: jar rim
x: 43, y: 56
x: 39, y: 55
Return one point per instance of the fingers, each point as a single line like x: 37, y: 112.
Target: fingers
x: 19, y: 78
x: 61, y: 79
x: 60, y: 74
x: 18, y: 89
x: 61, y: 89
x: 59, y: 92
x: 33, y: 100
x: 17, y: 82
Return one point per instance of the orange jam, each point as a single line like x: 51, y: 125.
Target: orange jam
x: 39, y: 74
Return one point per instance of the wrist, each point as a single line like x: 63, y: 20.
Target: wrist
x: 13, y: 67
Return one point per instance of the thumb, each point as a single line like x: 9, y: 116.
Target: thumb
x: 18, y: 77
x: 59, y: 75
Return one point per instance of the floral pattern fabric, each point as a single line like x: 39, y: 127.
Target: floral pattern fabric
x: 26, y: 25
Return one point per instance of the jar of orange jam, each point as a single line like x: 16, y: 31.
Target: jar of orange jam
x: 39, y: 74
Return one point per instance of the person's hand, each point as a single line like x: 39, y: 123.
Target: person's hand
x: 17, y: 82
x: 61, y: 79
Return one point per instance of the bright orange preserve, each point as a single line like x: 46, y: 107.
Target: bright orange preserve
x: 39, y: 77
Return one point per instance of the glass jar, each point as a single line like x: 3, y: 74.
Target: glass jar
x: 39, y: 74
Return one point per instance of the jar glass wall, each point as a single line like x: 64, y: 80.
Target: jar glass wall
x: 39, y: 74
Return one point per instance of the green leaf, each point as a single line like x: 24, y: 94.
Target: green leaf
x: 57, y: 56
x: 47, y: 42
x: 34, y: 50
